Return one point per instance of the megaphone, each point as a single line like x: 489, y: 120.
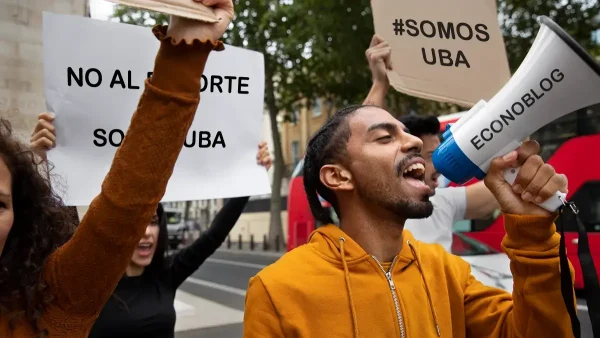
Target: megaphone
x: 556, y: 77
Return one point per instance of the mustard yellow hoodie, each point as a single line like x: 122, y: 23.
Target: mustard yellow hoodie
x: 331, y: 287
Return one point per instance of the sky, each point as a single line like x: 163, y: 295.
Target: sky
x: 101, y: 9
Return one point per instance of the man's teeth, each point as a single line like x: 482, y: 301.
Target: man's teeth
x: 417, y: 166
x: 144, y: 246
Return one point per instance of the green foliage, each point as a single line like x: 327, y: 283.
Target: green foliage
x: 579, y: 18
x: 134, y: 16
x: 317, y: 47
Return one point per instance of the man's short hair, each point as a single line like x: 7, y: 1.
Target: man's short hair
x: 421, y: 125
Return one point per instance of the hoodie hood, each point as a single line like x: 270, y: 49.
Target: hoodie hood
x: 337, y: 246
x: 327, y: 240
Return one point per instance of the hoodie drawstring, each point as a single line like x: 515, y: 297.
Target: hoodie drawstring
x: 437, y: 326
x: 348, y: 287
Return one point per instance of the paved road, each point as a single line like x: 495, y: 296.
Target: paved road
x: 223, y: 279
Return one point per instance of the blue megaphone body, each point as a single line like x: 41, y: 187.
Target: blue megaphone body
x: 557, y: 77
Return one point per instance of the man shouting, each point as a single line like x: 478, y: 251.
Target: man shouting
x: 370, y: 277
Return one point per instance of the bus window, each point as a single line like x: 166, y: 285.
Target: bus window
x: 553, y: 135
x: 462, y: 226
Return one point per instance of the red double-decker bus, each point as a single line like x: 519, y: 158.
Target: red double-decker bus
x: 570, y: 144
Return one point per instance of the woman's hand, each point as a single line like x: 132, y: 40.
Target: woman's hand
x: 189, y: 29
x: 264, y: 157
x: 43, y: 137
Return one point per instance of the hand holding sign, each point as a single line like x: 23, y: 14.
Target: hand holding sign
x: 448, y: 51
x: 379, y: 56
x: 263, y: 157
x: 43, y: 137
x: 188, y: 29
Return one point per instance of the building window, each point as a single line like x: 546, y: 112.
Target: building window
x: 317, y: 108
x: 295, y: 153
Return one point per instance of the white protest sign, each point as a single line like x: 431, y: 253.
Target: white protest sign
x: 94, y: 74
x: 449, y: 51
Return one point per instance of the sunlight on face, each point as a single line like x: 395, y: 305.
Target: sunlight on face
x: 7, y: 215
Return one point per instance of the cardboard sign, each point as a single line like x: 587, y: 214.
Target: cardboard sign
x: 94, y: 74
x: 183, y: 8
x: 449, y: 51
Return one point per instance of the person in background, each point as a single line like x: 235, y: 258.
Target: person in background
x: 369, y: 277
x: 451, y: 204
x: 53, y: 284
x: 142, y: 305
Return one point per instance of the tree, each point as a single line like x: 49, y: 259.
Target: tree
x: 579, y: 18
x: 339, y: 32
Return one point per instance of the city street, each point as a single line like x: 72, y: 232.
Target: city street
x: 211, y: 302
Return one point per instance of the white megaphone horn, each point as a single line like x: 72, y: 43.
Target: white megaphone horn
x: 557, y: 77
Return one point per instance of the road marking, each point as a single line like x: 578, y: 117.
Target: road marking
x: 582, y: 307
x: 195, y: 313
x: 230, y: 289
x: 244, y: 264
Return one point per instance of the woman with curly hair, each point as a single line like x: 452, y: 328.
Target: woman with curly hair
x: 142, y: 305
x: 49, y: 287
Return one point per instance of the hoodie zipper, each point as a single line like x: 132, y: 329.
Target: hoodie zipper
x: 388, y: 275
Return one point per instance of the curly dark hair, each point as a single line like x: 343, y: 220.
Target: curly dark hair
x: 41, y: 224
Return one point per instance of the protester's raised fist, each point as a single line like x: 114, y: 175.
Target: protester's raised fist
x: 536, y: 181
x: 263, y: 157
x: 379, y: 56
x: 188, y: 29
x: 43, y: 137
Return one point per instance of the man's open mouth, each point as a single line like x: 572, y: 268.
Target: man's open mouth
x: 415, y: 171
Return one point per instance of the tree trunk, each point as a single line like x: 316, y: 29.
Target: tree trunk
x: 275, y: 226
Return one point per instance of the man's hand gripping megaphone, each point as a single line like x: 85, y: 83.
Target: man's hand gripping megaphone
x: 521, y: 181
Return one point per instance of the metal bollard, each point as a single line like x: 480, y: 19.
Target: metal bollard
x: 228, y: 242
x: 252, y: 242
x: 265, y: 243
x: 240, y: 241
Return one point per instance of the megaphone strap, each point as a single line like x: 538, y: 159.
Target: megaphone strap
x: 590, y: 277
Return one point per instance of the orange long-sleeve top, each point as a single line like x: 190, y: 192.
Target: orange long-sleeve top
x: 83, y: 273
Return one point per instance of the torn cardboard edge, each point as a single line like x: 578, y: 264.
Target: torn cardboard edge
x: 182, y: 8
x: 424, y: 95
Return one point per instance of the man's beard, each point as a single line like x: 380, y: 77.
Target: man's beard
x: 408, y: 209
x: 400, y: 206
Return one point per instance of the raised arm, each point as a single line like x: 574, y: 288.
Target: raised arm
x: 536, y: 308
x: 378, y: 55
x: 190, y: 258
x: 84, y: 272
x: 480, y: 201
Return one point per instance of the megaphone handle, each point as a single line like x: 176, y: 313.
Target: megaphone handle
x: 551, y: 204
